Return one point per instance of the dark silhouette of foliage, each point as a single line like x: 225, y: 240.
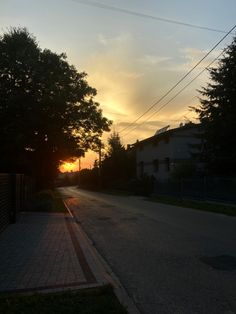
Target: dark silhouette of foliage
x: 118, y: 164
x: 116, y: 170
x: 88, y: 179
x: 47, y: 108
x: 184, y: 170
x: 115, y: 148
x: 218, y: 115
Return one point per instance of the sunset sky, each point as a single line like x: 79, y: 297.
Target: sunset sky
x: 131, y: 58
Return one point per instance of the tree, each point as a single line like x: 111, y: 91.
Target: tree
x: 115, y: 148
x: 47, y: 108
x: 183, y: 170
x: 118, y: 163
x: 217, y: 114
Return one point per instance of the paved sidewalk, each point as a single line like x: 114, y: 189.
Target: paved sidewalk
x: 46, y: 252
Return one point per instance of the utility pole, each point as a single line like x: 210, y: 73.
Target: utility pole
x: 100, y: 163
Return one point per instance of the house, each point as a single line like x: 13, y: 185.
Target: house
x: 158, y: 155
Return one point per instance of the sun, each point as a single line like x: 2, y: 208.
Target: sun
x: 76, y: 164
x: 68, y: 167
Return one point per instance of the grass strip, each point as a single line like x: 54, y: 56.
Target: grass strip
x: 89, y: 301
x: 204, y: 206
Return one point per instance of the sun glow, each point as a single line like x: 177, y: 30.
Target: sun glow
x: 76, y: 164
x: 68, y: 167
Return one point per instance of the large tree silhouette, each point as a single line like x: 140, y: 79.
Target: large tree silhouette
x: 47, y: 108
x: 218, y: 115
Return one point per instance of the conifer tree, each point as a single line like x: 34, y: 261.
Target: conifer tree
x: 217, y: 115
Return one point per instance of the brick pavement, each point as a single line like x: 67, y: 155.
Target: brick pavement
x: 43, y: 252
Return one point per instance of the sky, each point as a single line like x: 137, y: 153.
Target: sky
x: 131, y: 57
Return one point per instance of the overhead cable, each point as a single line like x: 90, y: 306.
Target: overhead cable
x: 144, y: 15
x: 177, y: 94
x: 178, y: 82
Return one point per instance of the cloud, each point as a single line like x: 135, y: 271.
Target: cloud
x: 151, y: 60
x: 130, y: 81
x: 189, y: 57
x: 114, y: 75
x: 146, y: 128
x: 102, y: 40
x: 115, y: 41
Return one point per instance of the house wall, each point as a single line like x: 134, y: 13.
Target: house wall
x: 158, y: 157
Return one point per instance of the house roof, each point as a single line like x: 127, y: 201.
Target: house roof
x: 168, y: 133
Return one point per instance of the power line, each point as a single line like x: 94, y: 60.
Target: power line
x: 179, y: 81
x: 186, y: 103
x: 144, y: 15
x: 179, y: 92
x: 182, y: 89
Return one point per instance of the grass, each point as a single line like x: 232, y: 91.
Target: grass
x: 90, y: 301
x: 47, y: 201
x: 205, y: 206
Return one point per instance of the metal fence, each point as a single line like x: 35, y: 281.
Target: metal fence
x: 14, y: 189
x: 212, y: 189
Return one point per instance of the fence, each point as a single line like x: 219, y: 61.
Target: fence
x: 14, y: 189
x: 212, y: 189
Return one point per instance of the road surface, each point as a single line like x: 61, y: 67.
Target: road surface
x: 169, y: 259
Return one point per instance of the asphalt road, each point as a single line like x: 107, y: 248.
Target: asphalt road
x: 169, y: 259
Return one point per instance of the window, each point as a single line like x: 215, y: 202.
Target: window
x: 155, y: 165
x: 167, y: 164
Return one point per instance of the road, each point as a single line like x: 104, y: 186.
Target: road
x: 169, y: 259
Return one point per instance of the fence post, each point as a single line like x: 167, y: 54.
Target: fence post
x: 204, y: 188
x: 12, y: 212
x: 181, y: 188
x: 22, y: 194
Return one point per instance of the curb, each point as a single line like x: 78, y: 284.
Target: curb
x: 101, y: 268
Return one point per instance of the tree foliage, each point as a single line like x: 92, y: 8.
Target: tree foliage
x: 47, y: 109
x: 119, y: 163
x: 183, y: 170
x: 115, y: 147
x: 218, y: 115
